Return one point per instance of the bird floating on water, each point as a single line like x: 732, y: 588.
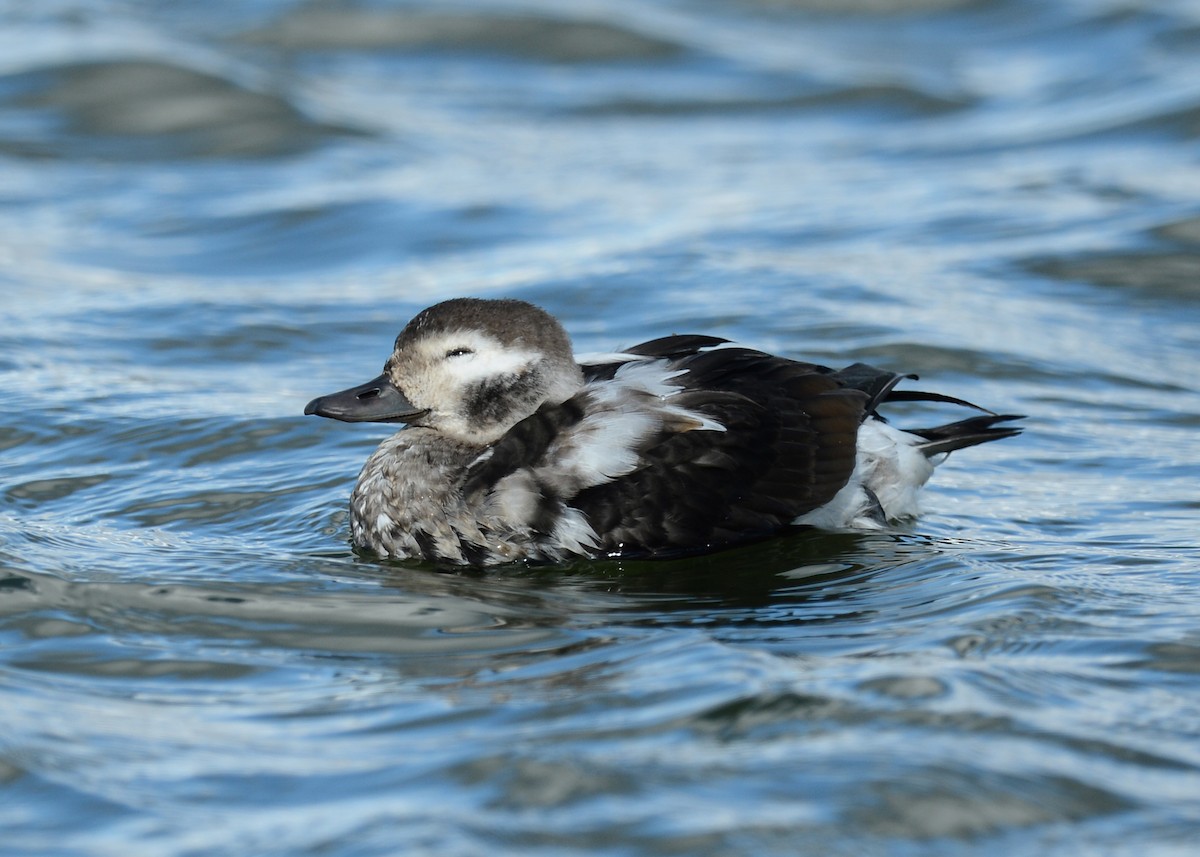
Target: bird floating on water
x: 513, y: 450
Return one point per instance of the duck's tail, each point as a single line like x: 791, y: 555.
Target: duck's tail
x: 964, y: 433
x: 879, y: 385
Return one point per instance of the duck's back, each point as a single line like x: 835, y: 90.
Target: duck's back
x: 684, y: 445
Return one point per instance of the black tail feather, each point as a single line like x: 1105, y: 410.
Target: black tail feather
x: 920, y: 396
x: 964, y: 433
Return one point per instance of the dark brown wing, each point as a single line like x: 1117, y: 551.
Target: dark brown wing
x: 788, y: 447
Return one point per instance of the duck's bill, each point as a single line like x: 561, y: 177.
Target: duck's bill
x: 377, y: 401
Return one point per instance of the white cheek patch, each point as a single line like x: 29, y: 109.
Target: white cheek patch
x: 485, y: 356
x: 490, y: 364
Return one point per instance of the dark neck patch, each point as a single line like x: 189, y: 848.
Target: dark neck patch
x: 501, y: 399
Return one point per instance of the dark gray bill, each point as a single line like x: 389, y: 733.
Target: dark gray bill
x: 377, y: 401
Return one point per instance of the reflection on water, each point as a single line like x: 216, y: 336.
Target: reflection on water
x: 129, y: 109
x: 333, y: 27
x: 210, y: 213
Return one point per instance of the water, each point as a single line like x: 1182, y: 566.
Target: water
x: 211, y: 213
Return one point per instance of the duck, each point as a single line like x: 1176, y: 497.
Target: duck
x: 513, y: 450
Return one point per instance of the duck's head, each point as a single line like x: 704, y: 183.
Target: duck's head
x: 468, y: 368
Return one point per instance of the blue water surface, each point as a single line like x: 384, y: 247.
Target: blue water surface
x: 211, y: 213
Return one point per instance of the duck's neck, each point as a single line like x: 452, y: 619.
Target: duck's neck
x: 493, y: 405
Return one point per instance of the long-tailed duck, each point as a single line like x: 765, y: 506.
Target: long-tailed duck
x: 515, y: 451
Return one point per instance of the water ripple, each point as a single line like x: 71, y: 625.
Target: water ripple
x: 533, y: 37
x: 137, y: 109
x: 211, y: 213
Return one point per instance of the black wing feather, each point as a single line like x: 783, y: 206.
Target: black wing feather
x: 672, y: 347
x: 676, y: 346
x: 788, y: 447
x: 523, y: 445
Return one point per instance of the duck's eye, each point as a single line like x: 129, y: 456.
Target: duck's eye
x: 459, y: 352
